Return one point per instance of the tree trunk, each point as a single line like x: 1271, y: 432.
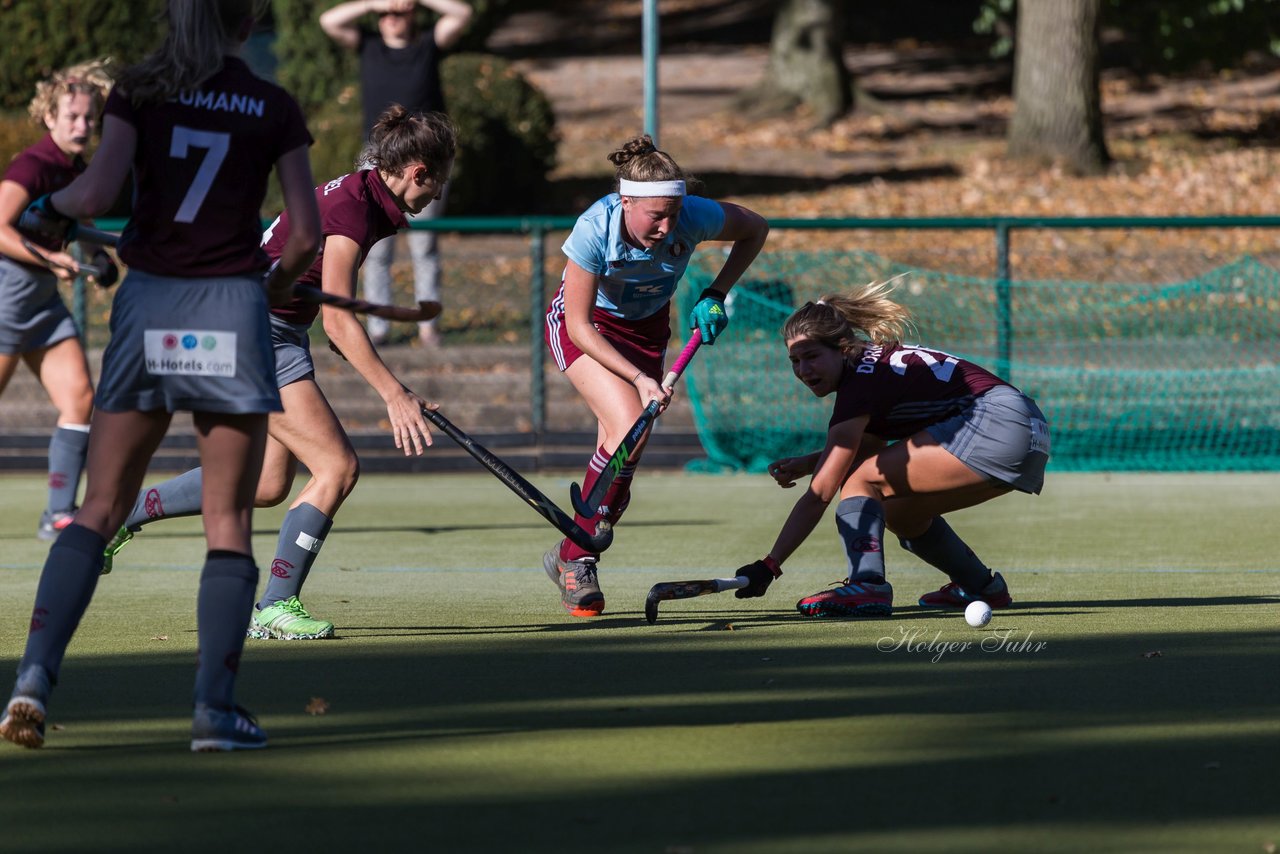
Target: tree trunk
x: 806, y: 63
x: 1057, y: 114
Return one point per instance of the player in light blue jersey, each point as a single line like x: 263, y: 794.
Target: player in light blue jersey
x: 609, y: 324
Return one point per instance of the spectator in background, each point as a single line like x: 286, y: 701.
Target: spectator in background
x: 400, y: 65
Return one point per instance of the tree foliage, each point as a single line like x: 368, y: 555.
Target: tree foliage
x: 42, y: 36
x: 1166, y: 35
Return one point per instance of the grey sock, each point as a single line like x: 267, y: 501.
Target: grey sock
x: 301, y: 537
x: 179, y: 496
x: 67, y: 450
x: 223, y: 608
x: 66, y: 586
x: 860, y: 521
x: 942, y: 548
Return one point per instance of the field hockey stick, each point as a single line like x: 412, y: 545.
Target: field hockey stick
x: 424, y: 311
x: 687, y: 590
x: 85, y: 268
x: 89, y: 234
x: 589, y: 505
x: 542, y: 505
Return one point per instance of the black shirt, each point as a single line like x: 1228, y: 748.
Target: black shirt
x: 409, y: 76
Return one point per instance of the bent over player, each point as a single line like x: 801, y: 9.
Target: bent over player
x: 35, y: 326
x: 915, y: 433
x: 411, y: 155
x: 609, y: 324
x: 189, y: 331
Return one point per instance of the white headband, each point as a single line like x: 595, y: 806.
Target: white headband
x: 650, y: 189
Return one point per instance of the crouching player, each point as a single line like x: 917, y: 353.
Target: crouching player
x: 915, y: 433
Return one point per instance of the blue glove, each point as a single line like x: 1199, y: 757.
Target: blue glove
x: 42, y: 218
x: 709, y: 315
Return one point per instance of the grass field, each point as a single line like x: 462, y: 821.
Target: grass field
x: 1130, y: 701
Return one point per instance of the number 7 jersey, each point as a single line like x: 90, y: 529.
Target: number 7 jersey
x: 904, y: 388
x: 201, y: 168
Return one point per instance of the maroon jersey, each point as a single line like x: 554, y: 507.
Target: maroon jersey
x: 358, y: 206
x: 43, y: 168
x: 201, y: 171
x: 905, y: 388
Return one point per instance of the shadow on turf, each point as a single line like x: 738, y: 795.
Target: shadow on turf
x: 1086, y: 733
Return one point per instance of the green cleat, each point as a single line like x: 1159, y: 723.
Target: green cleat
x: 119, y: 541
x: 288, y: 620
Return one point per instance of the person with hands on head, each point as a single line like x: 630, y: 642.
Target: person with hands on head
x: 35, y: 326
x: 916, y: 433
x: 609, y: 324
x: 400, y: 64
x: 410, y: 157
x: 189, y: 332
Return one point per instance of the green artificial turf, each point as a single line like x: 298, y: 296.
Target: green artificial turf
x: 1128, y: 703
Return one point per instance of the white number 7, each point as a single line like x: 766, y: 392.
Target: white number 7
x: 216, y: 144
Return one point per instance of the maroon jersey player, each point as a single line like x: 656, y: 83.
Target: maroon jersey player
x: 189, y: 332
x: 915, y: 433
x: 35, y: 327
x: 412, y: 155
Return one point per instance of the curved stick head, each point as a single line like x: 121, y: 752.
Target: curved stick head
x: 651, y: 608
x: 579, y: 501
x: 603, y: 537
x: 428, y: 310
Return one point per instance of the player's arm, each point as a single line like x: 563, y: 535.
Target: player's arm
x: 404, y: 409
x: 300, y: 247
x: 341, y: 23
x: 96, y: 190
x: 837, y: 460
x: 579, y: 303
x: 453, y: 20
x: 14, y: 199
x: 747, y: 230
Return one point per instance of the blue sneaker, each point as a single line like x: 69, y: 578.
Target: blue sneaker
x: 23, y: 722
x: 214, y: 729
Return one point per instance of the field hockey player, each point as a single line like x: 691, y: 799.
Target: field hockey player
x: 411, y: 155
x: 35, y: 326
x: 609, y: 323
x: 189, y: 332
x: 915, y: 433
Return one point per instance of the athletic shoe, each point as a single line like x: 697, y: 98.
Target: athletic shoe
x: 579, y: 590
x: 288, y: 620
x: 995, y: 594
x: 119, y: 541
x: 850, y: 599
x: 23, y: 722
x: 52, y: 523
x: 214, y: 729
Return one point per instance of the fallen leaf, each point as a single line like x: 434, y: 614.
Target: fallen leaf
x: 1156, y: 654
x: 160, y: 637
x: 56, y: 727
x: 317, y: 706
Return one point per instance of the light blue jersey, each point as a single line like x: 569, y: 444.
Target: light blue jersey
x: 637, y: 283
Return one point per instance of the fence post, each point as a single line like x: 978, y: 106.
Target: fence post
x: 538, y: 305
x: 1004, y: 304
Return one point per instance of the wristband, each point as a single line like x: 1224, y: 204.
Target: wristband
x: 772, y: 565
x: 710, y: 293
x: 638, y: 375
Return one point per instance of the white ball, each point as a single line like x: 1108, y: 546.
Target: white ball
x: 978, y: 614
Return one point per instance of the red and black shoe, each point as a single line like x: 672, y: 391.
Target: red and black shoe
x: 995, y: 594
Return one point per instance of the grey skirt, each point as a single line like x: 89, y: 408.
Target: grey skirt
x: 1002, y: 435
x: 32, y: 313
x: 194, y: 345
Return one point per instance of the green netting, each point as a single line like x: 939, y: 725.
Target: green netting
x: 1175, y: 376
